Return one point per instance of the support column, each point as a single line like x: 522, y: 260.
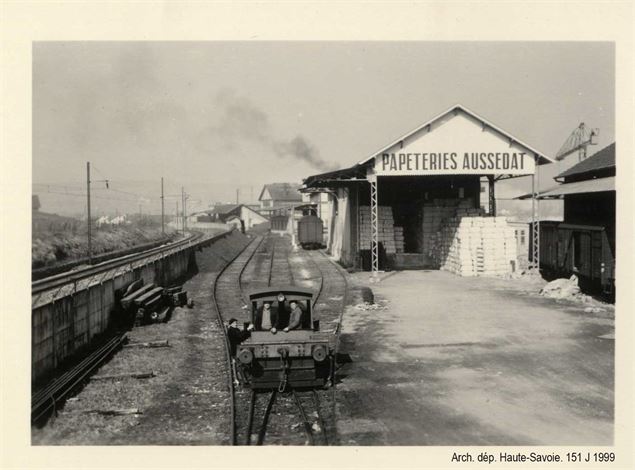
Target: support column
x: 374, y: 228
x: 535, y: 222
x: 492, y: 195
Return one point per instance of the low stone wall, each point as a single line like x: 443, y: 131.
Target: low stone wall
x: 71, y: 322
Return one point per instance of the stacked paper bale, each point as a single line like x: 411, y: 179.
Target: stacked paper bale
x: 471, y: 245
x: 385, y: 228
x: 399, y: 240
x: 434, y: 213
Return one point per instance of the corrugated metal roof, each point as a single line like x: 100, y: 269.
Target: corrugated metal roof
x: 603, y: 159
x: 595, y: 185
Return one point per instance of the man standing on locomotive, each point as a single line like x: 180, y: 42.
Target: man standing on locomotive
x: 266, y: 318
x: 295, y: 319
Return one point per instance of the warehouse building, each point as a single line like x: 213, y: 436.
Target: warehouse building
x: 584, y: 242
x: 415, y: 203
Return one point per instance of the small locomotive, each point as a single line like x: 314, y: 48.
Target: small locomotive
x: 272, y: 358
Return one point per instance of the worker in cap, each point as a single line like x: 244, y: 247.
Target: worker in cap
x: 236, y: 335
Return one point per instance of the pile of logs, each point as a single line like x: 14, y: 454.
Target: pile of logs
x: 144, y: 304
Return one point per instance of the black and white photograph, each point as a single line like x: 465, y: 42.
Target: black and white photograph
x: 326, y: 243
x: 272, y: 243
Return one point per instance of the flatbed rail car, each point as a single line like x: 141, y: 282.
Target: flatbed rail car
x: 300, y: 358
x: 584, y: 250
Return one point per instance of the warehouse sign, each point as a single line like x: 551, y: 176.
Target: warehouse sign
x: 454, y: 163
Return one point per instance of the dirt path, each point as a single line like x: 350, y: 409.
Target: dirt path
x: 475, y: 361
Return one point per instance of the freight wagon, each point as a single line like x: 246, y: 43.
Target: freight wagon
x: 584, y: 250
x: 311, y: 232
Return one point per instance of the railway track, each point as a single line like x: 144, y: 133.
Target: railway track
x: 59, y: 280
x: 228, y: 281
x: 44, y: 402
x: 249, y: 419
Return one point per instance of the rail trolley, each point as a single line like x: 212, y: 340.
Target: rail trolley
x: 274, y: 359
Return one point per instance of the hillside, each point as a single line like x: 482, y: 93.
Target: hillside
x: 59, y: 239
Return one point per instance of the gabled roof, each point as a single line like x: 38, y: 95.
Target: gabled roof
x: 542, y: 158
x: 222, y: 209
x: 218, y: 209
x: 601, y: 160
x: 238, y: 209
x: 282, y: 191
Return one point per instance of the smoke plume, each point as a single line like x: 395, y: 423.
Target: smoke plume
x: 241, y: 121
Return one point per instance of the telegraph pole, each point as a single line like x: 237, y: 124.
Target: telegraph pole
x: 237, y: 195
x: 162, y: 211
x: 176, y: 220
x: 90, y: 253
x: 183, y: 210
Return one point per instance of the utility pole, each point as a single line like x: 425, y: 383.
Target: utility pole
x: 183, y: 210
x: 162, y: 210
x: 90, y: 251
x: 176, y: 220
x: 237, y: 195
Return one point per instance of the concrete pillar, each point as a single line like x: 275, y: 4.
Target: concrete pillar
x: 492, y: 195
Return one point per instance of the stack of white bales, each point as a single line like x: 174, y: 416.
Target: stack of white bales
x: 386, y: 229
x: 435, y: 214
x: 399, y: 240
x: 476, y: 246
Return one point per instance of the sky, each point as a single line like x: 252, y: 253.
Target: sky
x: 217, y: 117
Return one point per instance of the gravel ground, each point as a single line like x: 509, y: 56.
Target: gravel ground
x: 186, y: 403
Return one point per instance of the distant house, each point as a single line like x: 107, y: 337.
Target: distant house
x: 277, y: 196
x: 35, y: 203
x: 222, y: 214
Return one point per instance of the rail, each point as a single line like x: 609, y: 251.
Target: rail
x: 276, y: 264
x: 71, y: 277
x: 44, y: 401
x: 219, y: 315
